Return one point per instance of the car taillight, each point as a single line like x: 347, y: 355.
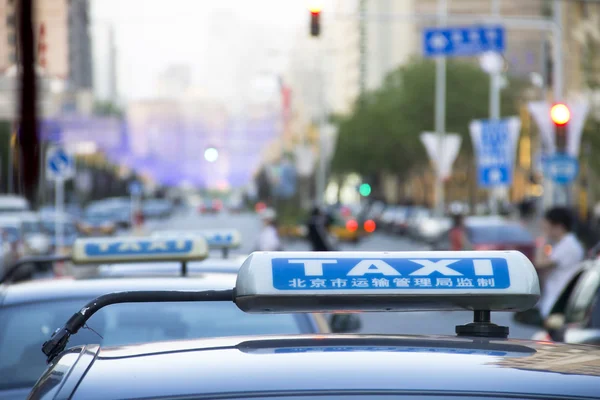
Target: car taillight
x: 370, y: 226
x: 351, y: 225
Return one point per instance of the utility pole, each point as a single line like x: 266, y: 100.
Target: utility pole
x: 112, y: 60
x: 440, y: 111
x: 496, y: 192
x: 560, y: 194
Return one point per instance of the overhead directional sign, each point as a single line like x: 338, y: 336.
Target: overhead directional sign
x: 463, y: 41
x: 59, y: 164
x: 495, y: 145
x: 561, y: 168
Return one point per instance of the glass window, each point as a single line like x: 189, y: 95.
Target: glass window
x: 10, y: 20
x: 513, y: 234
x: 12, y: 39
x: 583, y: 296
x: 24, y: 328
x: 350, y: 396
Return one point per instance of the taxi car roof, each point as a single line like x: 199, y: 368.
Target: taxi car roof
x: 63, y: 289
x: 244, y: 367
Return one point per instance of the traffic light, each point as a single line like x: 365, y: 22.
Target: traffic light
x: 560, y: 115
x: 364, y: 189
x: 315, y: 21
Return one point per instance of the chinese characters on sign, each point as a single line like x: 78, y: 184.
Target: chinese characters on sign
x: 378, y: 283
x: 375, y: 274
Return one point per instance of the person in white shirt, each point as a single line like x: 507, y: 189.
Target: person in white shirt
x: 268, y: 239
x: 557, y: 267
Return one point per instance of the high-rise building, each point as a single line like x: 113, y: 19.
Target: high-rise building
x: 51, y: 29
x: 80, y: 46
x: 391, y: 37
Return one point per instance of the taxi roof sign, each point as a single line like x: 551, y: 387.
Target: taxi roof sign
x: 216, y: 239
x: 132, y: 249
x: 387, y: 281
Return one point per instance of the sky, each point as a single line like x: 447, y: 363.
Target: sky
x: 227, y: 43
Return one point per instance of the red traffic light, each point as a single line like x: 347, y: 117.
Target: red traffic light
x: 315, y: 21
x: 315, y: 9
x: 560, y: 114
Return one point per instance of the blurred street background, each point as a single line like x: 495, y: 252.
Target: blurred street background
x: 391, y: 115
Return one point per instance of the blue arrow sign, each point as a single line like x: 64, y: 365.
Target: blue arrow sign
x: 59, y: 164
x: 463, y: 41
x: 561, y: 168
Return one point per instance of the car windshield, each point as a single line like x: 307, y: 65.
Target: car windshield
x: 499, y: 234
x: 24, y: 328
x: 32, y: 227
x: 68, y: 227
x: 97, y: 217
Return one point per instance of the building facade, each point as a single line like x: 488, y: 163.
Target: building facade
x: 80, y: 46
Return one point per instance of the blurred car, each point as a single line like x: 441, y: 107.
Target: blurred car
x: 210, y: 206
x: 235, y: 205
x: 429, y: 229
x: 35, y: 309
x: 347, y: 225
x: 386, y: 219
x: 12, y: 238
x: 399, y: 220
x: 575, y: 316
x: 36, y: 241
x: 117, y: 210
x: 97, y: 223
x: 157, y: 208
x: 416, y: 216
x: 12, y: 204
x: 479, y: 362
x: 69, y: 230
x: 493, y: 233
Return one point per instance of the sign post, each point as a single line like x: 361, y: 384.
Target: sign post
x: 60, y: 167
x: 135, y: 191
x: 441, y: 42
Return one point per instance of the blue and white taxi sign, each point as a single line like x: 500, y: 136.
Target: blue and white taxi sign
x: 132, y: 249
x: 385, y: 281
x: 217, y: 239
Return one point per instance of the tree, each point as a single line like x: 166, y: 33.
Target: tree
x: 382, y: 133
x: 107, y: 109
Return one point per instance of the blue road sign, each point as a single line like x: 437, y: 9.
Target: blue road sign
x: 463, y: 41
x: 59, y: 164
x: 561, y: 168
x: 135, y: 188
x: 494, y: 154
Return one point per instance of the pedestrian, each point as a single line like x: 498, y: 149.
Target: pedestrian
x: 458, y: 234
x: 318, y: 230
x: 557, y: 266
x: 268, y: 238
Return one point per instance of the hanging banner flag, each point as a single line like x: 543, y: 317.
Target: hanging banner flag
x: 495, y: 146
x: 443, y: 162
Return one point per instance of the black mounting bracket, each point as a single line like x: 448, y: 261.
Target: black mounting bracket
x: 482, y: 326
